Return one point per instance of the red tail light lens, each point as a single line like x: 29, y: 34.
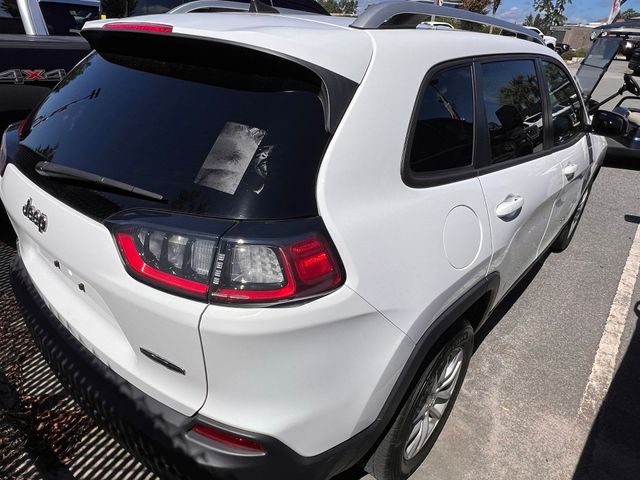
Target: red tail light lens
x: 250, y: 272
x: 139, y: 27
x: 135, y: 260
x: 258, y: 263
x: 172, y: 261
x: 228, y: 439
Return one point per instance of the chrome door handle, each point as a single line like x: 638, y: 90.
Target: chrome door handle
x: 570, y: 170
x: 510, y: 207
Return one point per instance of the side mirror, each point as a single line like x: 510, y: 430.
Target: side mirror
x: 609, y: 124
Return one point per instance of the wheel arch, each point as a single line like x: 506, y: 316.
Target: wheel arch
x: 474, y: 307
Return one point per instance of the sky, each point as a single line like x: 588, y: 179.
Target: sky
x: 580, y: 11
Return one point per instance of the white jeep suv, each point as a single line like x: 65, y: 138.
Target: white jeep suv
x: 258, y: 246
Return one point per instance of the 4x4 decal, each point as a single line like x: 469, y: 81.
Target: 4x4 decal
x: 21, y: 76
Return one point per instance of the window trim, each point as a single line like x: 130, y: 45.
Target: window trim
x: 482, y: 146
x: 434, y: 178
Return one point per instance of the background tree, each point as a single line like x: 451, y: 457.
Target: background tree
x: 629, y: 13
x: 552, y: 12
x: 478, y: 6
x: 341, y: 7
x: 537, y: 21
x: 496, y: 5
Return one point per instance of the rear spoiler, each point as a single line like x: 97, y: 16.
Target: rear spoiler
x: 150, y: 40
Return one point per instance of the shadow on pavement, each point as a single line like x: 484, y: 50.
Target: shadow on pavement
x: 621, y: 157
x: 507, y: 302
x: 612, y: 450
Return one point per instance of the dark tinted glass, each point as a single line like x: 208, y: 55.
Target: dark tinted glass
x: 150, y: 7
x: 513, y: 108
x: 10, y: 17
x: 67, y: 19
x: 566, y: 109
x: 212, y: 141
x: 443, y: 137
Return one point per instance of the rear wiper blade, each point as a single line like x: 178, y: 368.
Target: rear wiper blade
x: 55, y: 170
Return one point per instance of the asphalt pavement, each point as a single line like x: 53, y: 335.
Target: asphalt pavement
x: 521, y: 413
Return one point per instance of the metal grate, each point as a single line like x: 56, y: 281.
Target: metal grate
x: 6, y: 253
x: 43, y: 432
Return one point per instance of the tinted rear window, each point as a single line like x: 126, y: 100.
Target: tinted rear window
x: 212, y: 140
x: 66, y: 18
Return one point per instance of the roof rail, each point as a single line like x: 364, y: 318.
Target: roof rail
x: 409, y: 13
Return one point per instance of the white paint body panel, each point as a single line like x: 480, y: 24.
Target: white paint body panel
x: 117, y: 315
x: 575, y: 156
x: 312, y: 375
x: 379, y: 225
x: 516, y: 240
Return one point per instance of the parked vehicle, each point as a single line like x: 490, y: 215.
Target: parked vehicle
x: 548, y: 40
x: 591, y: 71
x: 628, y: 32
x: 253, y: 249
x: 436, y: 26
x: 563, y: 48
x: 39, y: 44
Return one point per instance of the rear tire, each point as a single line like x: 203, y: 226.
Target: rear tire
x: 569, y: 230
x: 425, y: 411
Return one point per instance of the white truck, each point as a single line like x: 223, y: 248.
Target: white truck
x: 549, y: 41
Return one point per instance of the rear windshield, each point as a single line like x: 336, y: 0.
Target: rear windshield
x: 212, y: 140
x: 67, y: 18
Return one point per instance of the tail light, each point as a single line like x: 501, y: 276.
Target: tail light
x: 249, y: 263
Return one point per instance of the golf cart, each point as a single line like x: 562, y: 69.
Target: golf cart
x: 624, y: 118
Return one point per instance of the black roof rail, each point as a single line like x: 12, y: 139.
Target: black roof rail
x: 410, y: 13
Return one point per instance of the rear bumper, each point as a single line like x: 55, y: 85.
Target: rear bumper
x: 157, y: 435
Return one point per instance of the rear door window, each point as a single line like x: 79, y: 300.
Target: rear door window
x: 10, y: 21
x: 566, y: 108
x: 443, y: 135
x: 67, y: 19
x: 226, y: 139
x: 513, y: 108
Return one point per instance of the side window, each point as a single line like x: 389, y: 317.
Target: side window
x: 566, y: 109
x: 443, y: 137
x: 65, y: 18
x: 513, y: 109
x: 10, y: 21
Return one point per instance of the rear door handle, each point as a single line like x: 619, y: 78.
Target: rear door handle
x: 510, y: 207
x: 570, y: 170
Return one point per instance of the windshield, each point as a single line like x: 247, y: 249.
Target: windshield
x: 223, y: 140
x: 596, y: 62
